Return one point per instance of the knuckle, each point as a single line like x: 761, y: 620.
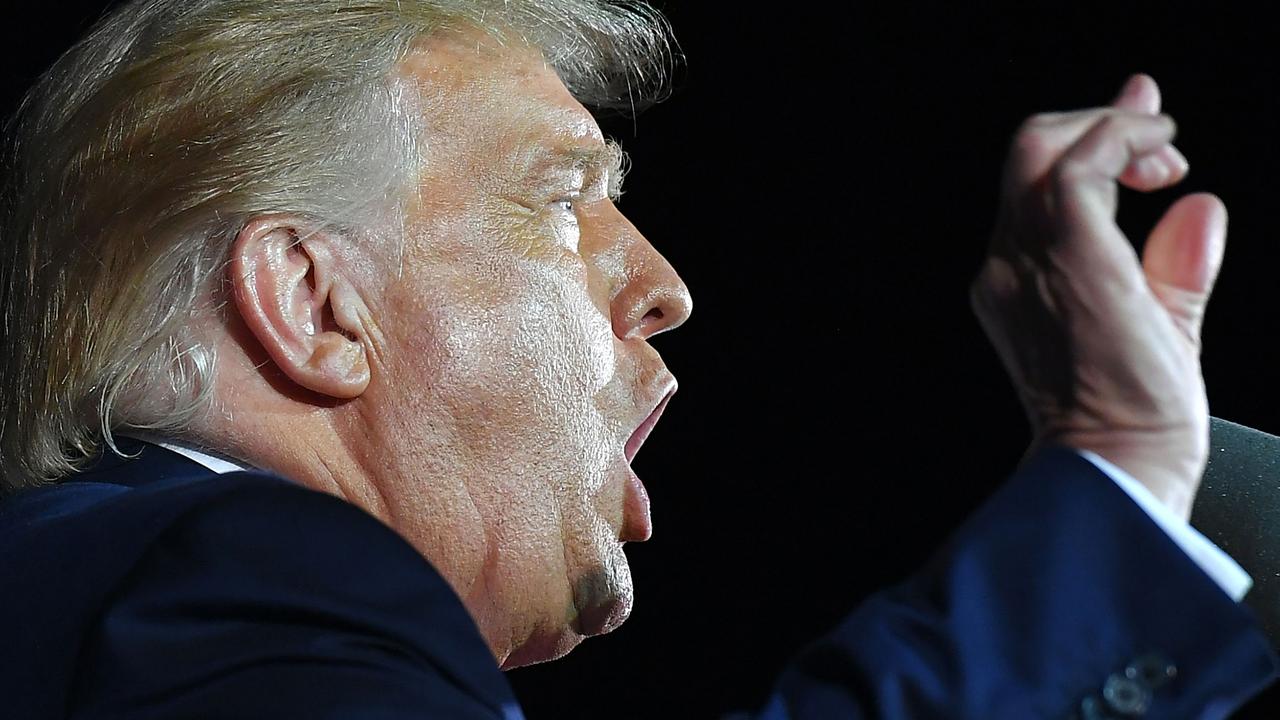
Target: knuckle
x: 1032, y: 141
x: 1067, y: 173
x: 1040, y: 121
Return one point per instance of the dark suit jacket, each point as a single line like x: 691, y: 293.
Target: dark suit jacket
x: 154, y: 588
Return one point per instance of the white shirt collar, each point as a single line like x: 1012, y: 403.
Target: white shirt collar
x: 220, y: 465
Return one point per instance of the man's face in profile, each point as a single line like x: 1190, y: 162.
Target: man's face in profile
x: 513, y: 327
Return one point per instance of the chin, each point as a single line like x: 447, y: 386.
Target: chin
x: 597, y: 619
x: 603, y: 616
x: 543, y: 648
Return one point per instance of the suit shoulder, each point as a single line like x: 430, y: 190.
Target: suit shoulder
x: 271, y: 576
x: 263, y: 537
x: 277, y: 535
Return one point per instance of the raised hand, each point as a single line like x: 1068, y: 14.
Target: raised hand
x: 1104, y: 347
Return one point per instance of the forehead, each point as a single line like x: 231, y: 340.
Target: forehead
x: 504, y: 94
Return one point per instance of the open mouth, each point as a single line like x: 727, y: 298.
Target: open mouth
x: 642, y: 433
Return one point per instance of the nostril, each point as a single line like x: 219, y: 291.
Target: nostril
x: 651, y: 323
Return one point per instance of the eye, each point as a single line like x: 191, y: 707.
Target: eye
x: 565, y: 205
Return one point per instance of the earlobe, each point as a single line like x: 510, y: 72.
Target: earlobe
x: 292, y: 292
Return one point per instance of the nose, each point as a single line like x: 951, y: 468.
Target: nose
x: 652, y: 298
x: 652, y: 304
x: 645, y: 295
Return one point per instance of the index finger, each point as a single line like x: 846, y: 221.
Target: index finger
x: 1083, y: 184
x: 1139, y: 94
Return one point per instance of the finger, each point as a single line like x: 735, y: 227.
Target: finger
x: 1084, y: 179
x: 1157, y: 170
x: 1182, y: 258
x: 1083, y: 185
x: 1140, y: 94
x: 1167, y: 166
x: 1044, y: 138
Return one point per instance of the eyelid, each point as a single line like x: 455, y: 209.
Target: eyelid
x: 572, y: 197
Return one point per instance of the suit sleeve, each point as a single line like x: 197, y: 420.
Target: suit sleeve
x: 1059, y: 598
x: 1224, y: 570
x: 273, y: 601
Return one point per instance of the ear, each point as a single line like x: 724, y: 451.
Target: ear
x: 293, y: 290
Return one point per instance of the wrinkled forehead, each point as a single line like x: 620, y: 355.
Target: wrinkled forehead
x: 471, y: 85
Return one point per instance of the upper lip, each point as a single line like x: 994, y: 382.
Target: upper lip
x: 641, y: 433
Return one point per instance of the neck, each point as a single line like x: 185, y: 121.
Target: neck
x: 301, y: 439
x: 409, y: 471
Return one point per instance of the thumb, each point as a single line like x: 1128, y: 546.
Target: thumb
x: 1182, y: 257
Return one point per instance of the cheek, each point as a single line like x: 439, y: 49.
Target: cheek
x: 514, y: 308
x: 534, y: 337
x: 517, y: 358
x: 574, y: 339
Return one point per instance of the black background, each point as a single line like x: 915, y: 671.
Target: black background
x: 825, y: 180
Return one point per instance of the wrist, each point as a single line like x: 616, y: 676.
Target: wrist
x: 1169, y: 465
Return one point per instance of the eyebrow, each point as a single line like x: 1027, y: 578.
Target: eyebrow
x: 607, y: 158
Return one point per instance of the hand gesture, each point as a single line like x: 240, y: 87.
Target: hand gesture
x: 1103, y: 346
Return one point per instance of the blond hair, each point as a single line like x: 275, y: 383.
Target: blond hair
x: 135, y: 161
